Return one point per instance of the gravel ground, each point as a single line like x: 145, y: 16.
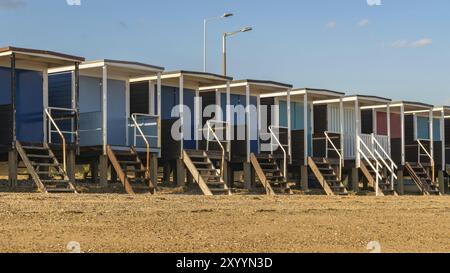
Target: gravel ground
x: 182, y: 223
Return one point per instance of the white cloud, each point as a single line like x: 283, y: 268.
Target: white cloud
x: 11, y: 4
x: 332, y: 24
x: 364, y: 23
x: 422, y: 43
x: 415, y: 44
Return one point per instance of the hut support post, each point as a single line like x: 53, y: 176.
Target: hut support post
x: 12, y: 168
x: 249, y: 177
x: 443, y: 163
x: 306, y: 128
x: 103, y: 170
x: 400, y: 182
x: 104, y: 108
x: 304, y: 178
x: 181, y: 84
x: 154, y: 168
x: 180, y: 173
x: 355, y: 171
x: 71, y: 165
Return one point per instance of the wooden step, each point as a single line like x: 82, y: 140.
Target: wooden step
x: 35, y: 148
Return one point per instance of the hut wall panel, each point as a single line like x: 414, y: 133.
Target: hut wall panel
x: 423, y: 128
x: 396, y: 150
x: 269, y: 102
x: 139, y: 98
x: 60, y: 95
x: 438, y: 152
x: 117, y: 115
x: 320, y: 119
x: 409, y: 129
x: 367, y: 121
x: 6, y: 117
x: 395, y: 124
x: 171, y: 149
x: 90, y: 111
x: 29, y: 106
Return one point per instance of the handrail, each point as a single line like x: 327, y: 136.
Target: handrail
x: 375, y: 169
x: 419, y: 141
x: 341, y: 158
x: 49, y: 116
x: 393, y: 166
x: 274, y: 137
x: 210, y: 129
x: 144, y: 137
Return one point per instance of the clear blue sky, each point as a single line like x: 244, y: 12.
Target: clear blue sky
x: 400, y: 49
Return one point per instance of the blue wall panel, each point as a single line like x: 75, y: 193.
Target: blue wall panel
x: 423, y: 128
x: 170, y: 98
x: 29, y: 106
x: 117, y: 116
x: 5, y: 86
x: 90, y: 111
x: 437, y: 130
x: 60, y: 90
x: 297, y: 119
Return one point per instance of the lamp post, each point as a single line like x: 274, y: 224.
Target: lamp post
x: 205, y: 28
x: 224, y: 46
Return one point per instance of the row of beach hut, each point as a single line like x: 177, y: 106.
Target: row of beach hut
x: 118, y: 117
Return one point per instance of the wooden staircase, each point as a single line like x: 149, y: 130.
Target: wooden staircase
x: 326, y: 176
x: 424, y: 182
x: 269, y: 174
x: 44, y: 168
x: 130, y: 171
x: 205, y: 173
x: 384, y: 182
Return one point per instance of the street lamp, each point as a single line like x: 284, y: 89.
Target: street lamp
x: 205, y: 22
x: 224, y: 47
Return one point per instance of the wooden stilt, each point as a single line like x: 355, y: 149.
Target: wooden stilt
x: 400, y: 182
x: 12, y: 168
x: 181, y: 173
x: 304, y: 177
x: 103, y: 170
x: 71, y: 165
x: 249, y: 177
x: 227, y: 174
x: 94, y: 170
x: 154, y: 168
x: 355, y: 180
x: 441, y: 182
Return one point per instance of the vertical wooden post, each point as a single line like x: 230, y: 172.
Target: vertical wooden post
x: 181, y: 173
x: 71, y: 165
x: 228, y: 174
x: 103, y: 170
x: 13, y: 99
x: 181, y: 84
x: 94, y: 170
x: 306, y: 128
x: 248, y: 125
x: 355, y: 179
x: 12, y: 168
x: 441, y: 181
x: 400, y: 181
x: 249, y: 177
x: 154, y: 168
x: 304, y: 177
x: 104, y: 109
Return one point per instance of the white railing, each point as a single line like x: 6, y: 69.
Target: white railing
x: 54, y: 128
x: 367, y: 155
x: 350, y: 149
x: 386, y: 159
x: 427, y: 154
x: 336, y: 150
x: 139, y: 133
x: 212, y: 131
x: 274, y: 138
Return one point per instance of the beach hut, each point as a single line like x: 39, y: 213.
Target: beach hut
x: 31, y: 119
x: 179, y: 103
x: 412, y: 134
x: 247, y: 135
x: 109, y: 132
x: 317, y: 145
x: 442, y: 114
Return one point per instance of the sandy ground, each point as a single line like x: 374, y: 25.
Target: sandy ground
x: 181, y: 223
